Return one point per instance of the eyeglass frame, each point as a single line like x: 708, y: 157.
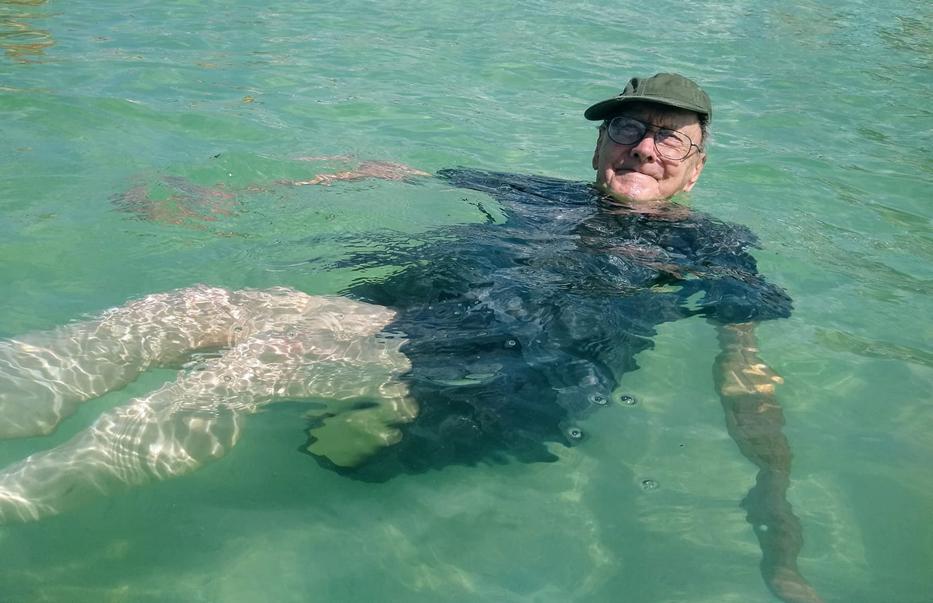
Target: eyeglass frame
x: 657, y: 130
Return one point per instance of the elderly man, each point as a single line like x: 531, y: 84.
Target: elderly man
x: 490, y: 351
x: 650, y: 144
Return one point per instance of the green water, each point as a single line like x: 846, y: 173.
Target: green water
x: 822, y: 144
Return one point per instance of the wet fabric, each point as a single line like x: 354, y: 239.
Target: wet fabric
x: 518, y: 329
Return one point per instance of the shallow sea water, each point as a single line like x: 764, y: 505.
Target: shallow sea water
x: 822, y: 145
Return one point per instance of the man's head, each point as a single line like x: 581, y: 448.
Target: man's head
x: 651, y: 142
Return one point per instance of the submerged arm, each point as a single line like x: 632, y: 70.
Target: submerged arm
x: 746, y: 387
x: 381, y: 170
x: 190, y: 203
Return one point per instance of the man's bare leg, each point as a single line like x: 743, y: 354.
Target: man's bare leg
x: 45, y: 376
x: 294, y: 347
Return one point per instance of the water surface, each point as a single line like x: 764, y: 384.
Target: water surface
x: 821, y: 145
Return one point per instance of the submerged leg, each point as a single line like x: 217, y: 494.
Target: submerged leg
x: 44, y: 376
x: 328, y: 348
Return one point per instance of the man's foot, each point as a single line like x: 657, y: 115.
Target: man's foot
x: 349, y: 438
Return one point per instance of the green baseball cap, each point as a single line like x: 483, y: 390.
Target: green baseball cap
x: 670, y: 89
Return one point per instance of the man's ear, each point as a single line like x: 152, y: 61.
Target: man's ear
x: 599, y: 143
x: 695, y: 174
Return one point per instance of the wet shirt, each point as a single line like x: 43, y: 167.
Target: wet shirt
x: 518, y: 329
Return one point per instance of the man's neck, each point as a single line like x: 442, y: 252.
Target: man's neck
x: 660, y: 209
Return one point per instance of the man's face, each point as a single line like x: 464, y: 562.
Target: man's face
x: 636, y: 172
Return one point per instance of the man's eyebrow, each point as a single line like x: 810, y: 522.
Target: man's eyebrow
x: 673, y: 125
x: 659, y: 121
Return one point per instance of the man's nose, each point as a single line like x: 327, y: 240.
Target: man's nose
x: 644, y: 151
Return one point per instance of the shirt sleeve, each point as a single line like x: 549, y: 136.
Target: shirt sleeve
x: 732, y: 289
x: 518, y: 190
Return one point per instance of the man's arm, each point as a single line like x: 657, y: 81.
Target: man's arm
x: 381, y: 170
x: 190, y: 204
x: 746, y: 387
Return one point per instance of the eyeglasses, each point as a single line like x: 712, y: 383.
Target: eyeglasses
x: 671, y: 144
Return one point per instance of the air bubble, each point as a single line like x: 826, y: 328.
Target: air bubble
x: 599, y: 399
x: 575, y: 433
x: 510, y: 343
x: 628, y: 400
x: 649, y: 484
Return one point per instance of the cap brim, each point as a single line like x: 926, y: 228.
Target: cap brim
x: 612, y: 106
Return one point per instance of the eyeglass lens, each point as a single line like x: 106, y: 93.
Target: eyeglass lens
x: 670, y: 143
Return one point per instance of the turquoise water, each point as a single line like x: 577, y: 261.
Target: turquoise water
x: 822, y: 139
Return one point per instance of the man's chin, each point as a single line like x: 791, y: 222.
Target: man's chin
x: 631, y: 190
